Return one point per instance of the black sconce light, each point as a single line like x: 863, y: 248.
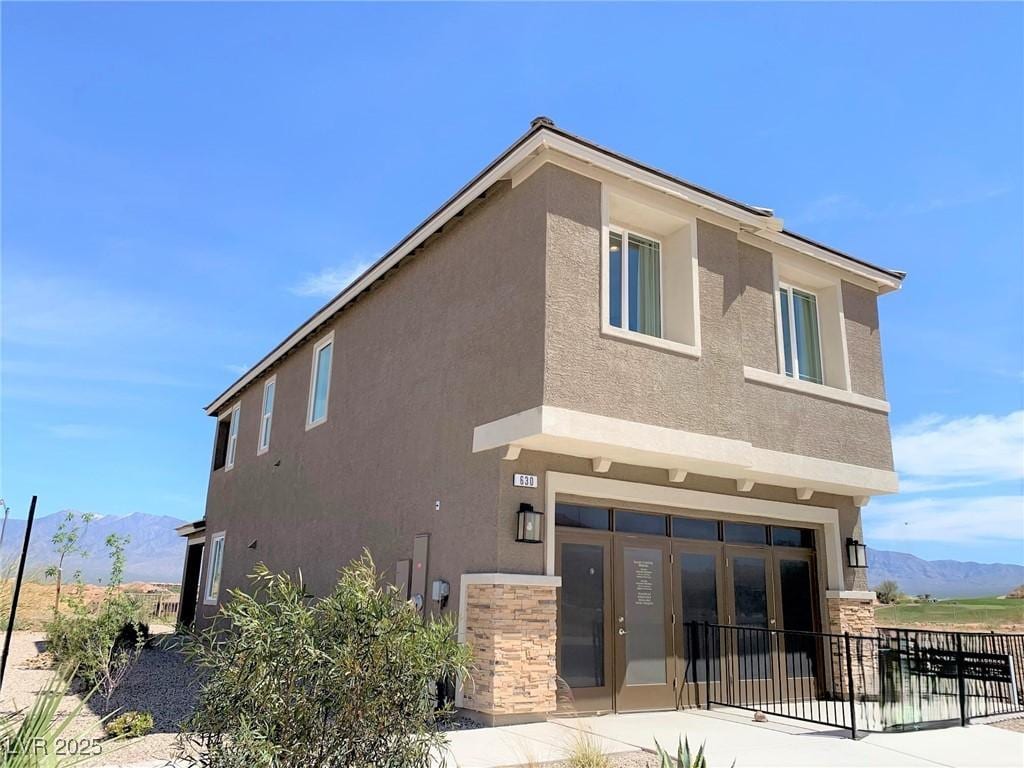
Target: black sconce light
x: 856, y: 554
x: 530, y: 522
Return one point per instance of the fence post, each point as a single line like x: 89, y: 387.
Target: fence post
x: 707, y: 669
x: 961, y: 685
x: 849, y: 687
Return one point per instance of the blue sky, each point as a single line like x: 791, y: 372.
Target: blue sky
x: 184, y: 183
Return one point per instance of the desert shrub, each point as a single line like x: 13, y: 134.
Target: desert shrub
x: 683, y: 759
x: 888, y: 592
x: 101, y: 644
x: 130, y: 725
x: 343, y: 680
x: 41, y: 736
x: 587, y: 753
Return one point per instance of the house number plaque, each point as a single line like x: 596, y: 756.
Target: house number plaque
x: 524, y: 481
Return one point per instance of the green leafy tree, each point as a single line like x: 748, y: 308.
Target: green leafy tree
x: 67, y: 541
x: 888, y: 592
x: 115, y: 549
x: 291, y: 681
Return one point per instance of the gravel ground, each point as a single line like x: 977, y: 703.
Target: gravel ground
x: 627, y: 760
x: 161, y: 683
x: 1016, y: 724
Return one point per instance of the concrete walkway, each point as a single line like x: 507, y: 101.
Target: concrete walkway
x: 732, y: 735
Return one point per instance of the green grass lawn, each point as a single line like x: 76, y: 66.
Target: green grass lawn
x: 983, y: 612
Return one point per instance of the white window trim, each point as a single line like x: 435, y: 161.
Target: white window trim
x: 234, y: 424
x: 310, y: 424
x: 795, y: 361
x: 266, y: 419
x: 210, y: 599
x: 612, y: 331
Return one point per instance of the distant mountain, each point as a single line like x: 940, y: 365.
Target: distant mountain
x: 942, y: 578
x: 155, y: 553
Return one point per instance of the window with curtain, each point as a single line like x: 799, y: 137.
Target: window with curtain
x: 801, y: 340
x: 634, y: 283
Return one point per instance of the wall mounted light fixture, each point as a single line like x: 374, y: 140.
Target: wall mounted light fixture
x: 856, y: 554
x: 530, y: 522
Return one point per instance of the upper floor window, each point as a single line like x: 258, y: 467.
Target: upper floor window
x: 801, y: 337
x: 216, y: 566
x: 232, y: 437
x: 227, y: 440
x: 634, y: 274
x: 810, y: 333
x: 649, y: 267
x: 320, y: 381
x: 266, y: 415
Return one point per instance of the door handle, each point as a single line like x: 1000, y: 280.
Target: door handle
x: 623, y: 631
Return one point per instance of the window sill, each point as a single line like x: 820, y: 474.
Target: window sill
x: 817, y: 390
x: 314, y: 424
x: 689, y: 350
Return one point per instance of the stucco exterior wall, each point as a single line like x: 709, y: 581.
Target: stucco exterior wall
x: 860, y: 308
x: 609, y: 376
x: 452, y: 339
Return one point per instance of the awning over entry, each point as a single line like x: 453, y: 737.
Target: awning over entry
x: 606, y: 440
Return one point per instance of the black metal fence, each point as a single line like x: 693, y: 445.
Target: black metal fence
x: 896, y: 679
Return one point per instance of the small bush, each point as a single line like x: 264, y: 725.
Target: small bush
x: 888, y: 592
x: 683, y: 757
x: 130, y: 725
x: 100, y: 644
x: 586, y: 753
x: 344, y: 680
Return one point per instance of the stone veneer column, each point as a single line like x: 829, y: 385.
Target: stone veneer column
x: 851, y: 612
x: 511, y: 628
x: 854, y: 612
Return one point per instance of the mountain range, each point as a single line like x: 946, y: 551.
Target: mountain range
x: 155, y: 554
x: 942, y: 578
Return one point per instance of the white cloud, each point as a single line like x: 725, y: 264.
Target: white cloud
x: 938, y: 452
x: 329, y: 282
x: 971, y: 520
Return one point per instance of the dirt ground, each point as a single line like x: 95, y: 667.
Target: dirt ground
x: 162, y: 683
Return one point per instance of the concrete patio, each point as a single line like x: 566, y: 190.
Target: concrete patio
x: 732, y: 735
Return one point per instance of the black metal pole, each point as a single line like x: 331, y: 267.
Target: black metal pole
x: 707, y: 669
x: 849, y: 687
x: 17, y: 590
x: 960, y: 683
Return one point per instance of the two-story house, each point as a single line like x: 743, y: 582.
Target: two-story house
x: 592, y: 401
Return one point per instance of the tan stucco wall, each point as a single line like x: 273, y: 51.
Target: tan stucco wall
x: 452, y: 339
x: 860, y: 308
x: 608, y: 376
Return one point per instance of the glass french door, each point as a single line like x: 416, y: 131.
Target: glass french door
x: 584, y: 622
x: 751, y: 609
x: 697, y: 575
x: 644, y: 658
x: 796, y: 595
